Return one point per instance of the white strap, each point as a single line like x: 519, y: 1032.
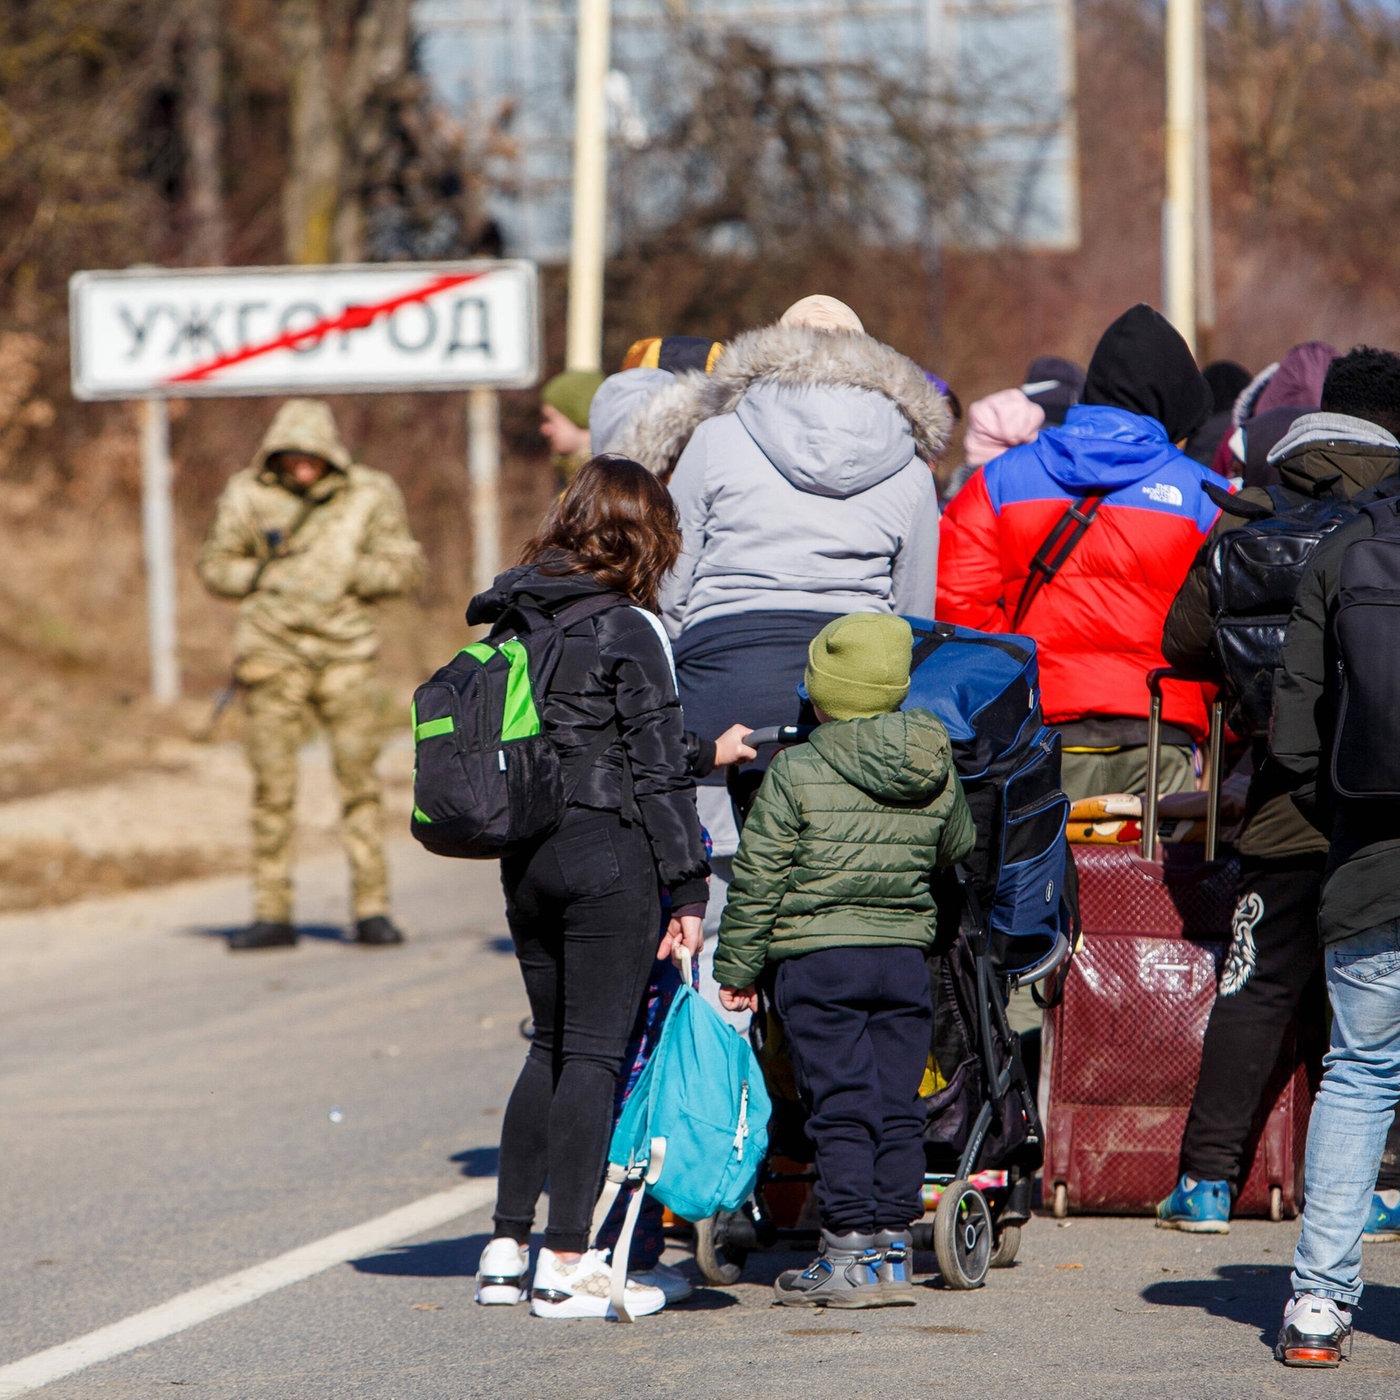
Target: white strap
x: 659, y: 628
x: 622, y: 1251
x: 621, y: 1254
x: 684, y: 954
x: 616, y: 1177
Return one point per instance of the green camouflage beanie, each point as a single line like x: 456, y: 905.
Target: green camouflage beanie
x: 571, y: 393
x: 858, y: 666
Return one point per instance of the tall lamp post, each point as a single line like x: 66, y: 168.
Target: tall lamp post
x: 1179, y: 220
x: 584, y: 338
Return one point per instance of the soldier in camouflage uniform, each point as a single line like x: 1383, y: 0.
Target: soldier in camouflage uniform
x: 308, y: 541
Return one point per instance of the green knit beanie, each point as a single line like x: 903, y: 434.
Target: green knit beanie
x: 859, y: 665
x: 572, y: 392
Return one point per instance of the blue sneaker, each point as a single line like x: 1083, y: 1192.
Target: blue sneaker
x: 1202, y: 1209
x: 1383, y: 1223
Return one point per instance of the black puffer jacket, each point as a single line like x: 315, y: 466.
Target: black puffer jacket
x: 614, y: 674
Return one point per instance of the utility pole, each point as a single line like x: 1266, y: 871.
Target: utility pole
x: 584, y: 340
x: 1179, y: 229
x: 1205, y: 240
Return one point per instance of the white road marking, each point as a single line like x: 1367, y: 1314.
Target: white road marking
x: 234, y: 1290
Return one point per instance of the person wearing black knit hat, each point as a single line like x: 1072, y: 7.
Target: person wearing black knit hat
x: 1142, y: 364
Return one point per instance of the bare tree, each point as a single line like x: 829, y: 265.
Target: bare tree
x: 757, y: 153
x: 204, y: 134
x: 311, y: 190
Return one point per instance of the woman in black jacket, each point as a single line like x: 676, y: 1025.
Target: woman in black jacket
x: 583, y: 904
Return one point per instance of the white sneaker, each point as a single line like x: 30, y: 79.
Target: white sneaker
x: 583, y: 1288
x: 1316, y: 1332
x: 671, y: 1282
x: 500, y: 1277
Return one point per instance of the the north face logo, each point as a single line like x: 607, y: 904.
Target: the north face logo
x: 1163, y: 494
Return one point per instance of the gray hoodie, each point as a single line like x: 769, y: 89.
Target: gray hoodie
x: 1318, y: 427
x: 802, y: 483
x: 619, y: 399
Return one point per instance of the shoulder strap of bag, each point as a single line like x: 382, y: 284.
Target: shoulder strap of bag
x: 1056, y: 547
x: 308, y: 508
x: 1233, y: 503
x: 926, y: 643
x: 1385, y: 516
x: 1381, y: 491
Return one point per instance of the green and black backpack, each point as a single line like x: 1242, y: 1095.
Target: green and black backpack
x: 487, y: 778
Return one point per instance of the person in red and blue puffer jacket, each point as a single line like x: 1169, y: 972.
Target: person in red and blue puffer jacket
x: 1098, y: 621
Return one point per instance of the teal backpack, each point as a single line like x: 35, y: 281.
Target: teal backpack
x: 694, y: 1130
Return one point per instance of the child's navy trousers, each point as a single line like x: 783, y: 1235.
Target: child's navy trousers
x: 859, y: 1021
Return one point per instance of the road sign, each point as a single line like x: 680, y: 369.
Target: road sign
x: 374, y: 328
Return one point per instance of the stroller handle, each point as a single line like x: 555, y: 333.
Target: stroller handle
x: 779, y: 734
x: 1046, y: 967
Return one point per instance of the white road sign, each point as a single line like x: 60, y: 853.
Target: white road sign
x: 277, y: 330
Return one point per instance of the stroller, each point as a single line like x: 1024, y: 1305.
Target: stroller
x: 983, y: 1140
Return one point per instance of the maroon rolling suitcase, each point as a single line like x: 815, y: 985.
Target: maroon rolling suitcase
x: 1123, y: 1047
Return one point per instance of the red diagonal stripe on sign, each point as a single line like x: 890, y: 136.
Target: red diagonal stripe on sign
x: 353, y: 318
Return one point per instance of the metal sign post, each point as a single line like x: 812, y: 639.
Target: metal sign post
x: 375, y: 328
x: 158, y: 547
x: 484, y: 472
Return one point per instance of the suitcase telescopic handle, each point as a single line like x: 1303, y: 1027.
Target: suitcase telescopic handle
x: 1214, y: 752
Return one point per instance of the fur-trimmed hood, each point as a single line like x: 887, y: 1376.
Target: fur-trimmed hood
x: 815, y: 402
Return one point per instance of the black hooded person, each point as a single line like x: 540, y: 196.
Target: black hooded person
x: 1098, y: 620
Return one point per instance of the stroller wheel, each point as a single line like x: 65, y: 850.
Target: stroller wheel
x: 716, y: 1263
x: 1007, y: 1246
x: 962, y: 1236
x: 1059, y: 1202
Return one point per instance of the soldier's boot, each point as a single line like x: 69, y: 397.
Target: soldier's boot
x: 378, y: 931
x: 265, y: 933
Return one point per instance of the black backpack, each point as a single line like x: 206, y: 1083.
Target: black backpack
x: 487, y: 780
x: 1366, y: 632
x: 1252, y: 578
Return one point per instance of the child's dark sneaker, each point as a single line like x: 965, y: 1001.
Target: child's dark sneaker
x: 1198, y: 1207
x: 896, y: 1267
x: 845, y: 1274
x: 1316, y: 1332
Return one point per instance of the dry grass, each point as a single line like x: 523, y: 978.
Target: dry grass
x: 37, y: 874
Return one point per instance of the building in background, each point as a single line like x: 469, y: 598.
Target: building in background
x: 946, y: 122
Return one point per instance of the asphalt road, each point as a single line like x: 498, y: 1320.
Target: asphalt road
x: 171, y: 1115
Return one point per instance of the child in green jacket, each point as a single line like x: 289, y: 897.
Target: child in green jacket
x: 832, y: 884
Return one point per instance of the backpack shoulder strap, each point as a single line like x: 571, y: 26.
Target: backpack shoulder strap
x: 1385, y: 517
x: 1381, y: 491
x: 587, y: 607
x: 1230, y: 502
x: 1054, y: 550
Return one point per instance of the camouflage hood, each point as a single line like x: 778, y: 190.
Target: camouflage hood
x: 303, y: 425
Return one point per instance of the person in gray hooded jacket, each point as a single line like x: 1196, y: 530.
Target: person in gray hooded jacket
x: 800, y: 469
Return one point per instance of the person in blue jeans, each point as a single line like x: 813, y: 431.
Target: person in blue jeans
x: 1359, y: 921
